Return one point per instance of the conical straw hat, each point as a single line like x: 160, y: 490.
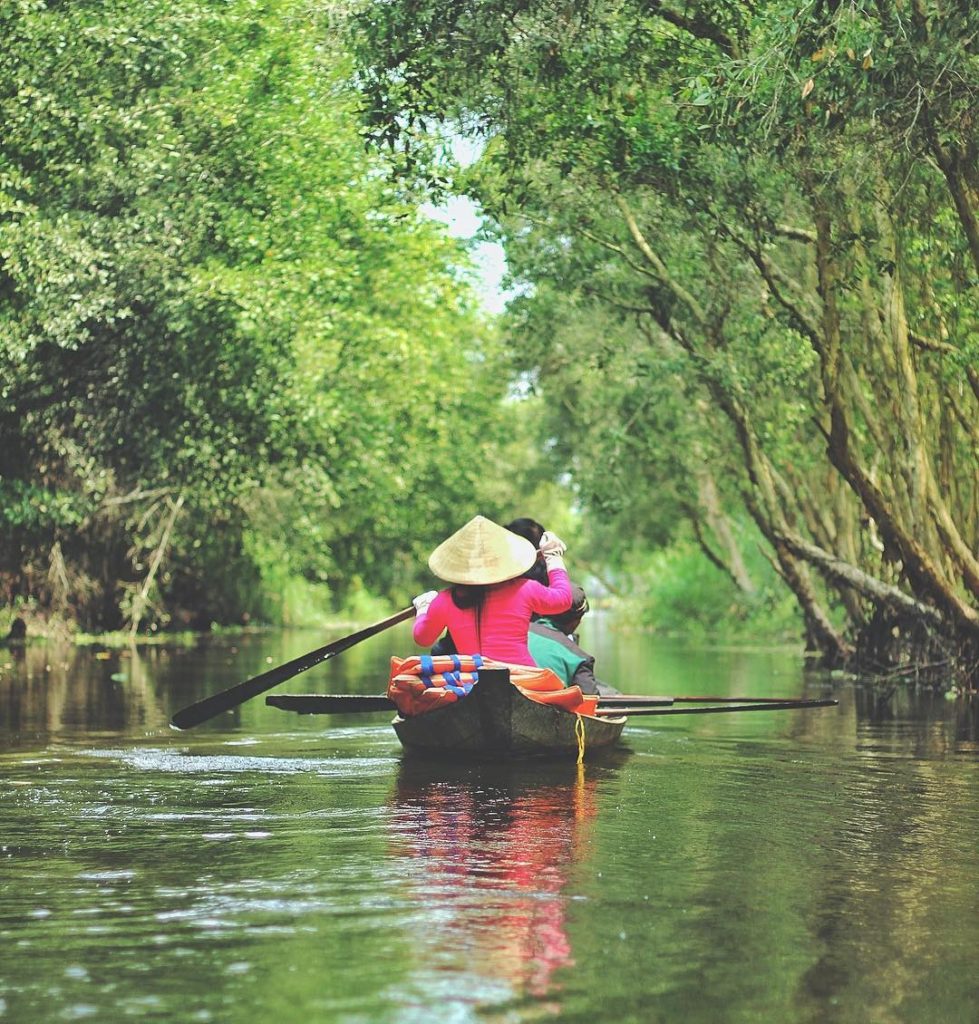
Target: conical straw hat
x: 481, y: 552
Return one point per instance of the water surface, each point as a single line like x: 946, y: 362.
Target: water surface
x: 775, y: 866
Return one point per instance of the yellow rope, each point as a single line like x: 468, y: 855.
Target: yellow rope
x: 579, y: 731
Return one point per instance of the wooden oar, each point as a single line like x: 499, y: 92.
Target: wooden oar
x: 358, y: 703
x: 330, y: 703
x: 207, y: 708
x: 363, y: 703
x: 768, y: 705
x: 642, y: 701
x: 637, y: 701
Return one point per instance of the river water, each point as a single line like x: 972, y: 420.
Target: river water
x: 776, y: 866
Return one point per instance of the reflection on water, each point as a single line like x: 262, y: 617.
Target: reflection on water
x: 802, y: 866
x: 493, y: 846
x: 49, y: 692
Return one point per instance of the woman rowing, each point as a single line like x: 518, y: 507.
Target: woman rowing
x: 489, y: 606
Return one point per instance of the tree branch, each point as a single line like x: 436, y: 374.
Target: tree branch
x: 139, y: 604
x: 778, y: 284
x: 798, y: 234
x: 947, y: 349
x: 699, y: 26
x: 840, y: 571
x: 662, y: 271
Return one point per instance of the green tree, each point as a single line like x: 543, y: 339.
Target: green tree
x: 231, y: 350
x: 772, y: 208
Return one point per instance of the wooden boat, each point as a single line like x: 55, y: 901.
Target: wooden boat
x: 497, y: 722
x: 494, y: 721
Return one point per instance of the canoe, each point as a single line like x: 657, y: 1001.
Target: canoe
x: 494, y: 721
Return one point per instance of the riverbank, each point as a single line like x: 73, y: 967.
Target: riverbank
x: 26, y: 626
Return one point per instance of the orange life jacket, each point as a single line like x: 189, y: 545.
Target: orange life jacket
x: 422, y: 683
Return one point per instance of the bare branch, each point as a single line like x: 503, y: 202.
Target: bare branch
x: 139, y: 604
x: 842, y: 572
x: 798, y: 234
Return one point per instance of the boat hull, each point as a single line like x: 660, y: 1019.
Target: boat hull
x: 497, y: 721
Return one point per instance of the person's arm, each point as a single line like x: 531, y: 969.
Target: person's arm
x: 585, y: 677
x: 557, y: 596
x: 553, y: 599
x: 430, y: 618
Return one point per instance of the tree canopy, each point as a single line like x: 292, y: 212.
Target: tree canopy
x: 237, y: 362
x: 750, y: 236
x: 231, y: 348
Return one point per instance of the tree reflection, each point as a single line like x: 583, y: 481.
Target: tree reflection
x: 49, y: 691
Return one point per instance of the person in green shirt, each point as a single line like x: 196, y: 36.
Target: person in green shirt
x: 553, y: 646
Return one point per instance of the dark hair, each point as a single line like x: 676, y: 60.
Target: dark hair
x: 531, y: 530
x: 468, y: 595
x: 566, y: 621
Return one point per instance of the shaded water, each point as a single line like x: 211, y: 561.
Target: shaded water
x: 775, y: 866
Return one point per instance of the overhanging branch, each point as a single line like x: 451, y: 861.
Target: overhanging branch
x: 698, y: 25
x: 839, y: 570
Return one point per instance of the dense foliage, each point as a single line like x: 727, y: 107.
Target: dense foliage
x: 751, y: 236
x: 238, y: 370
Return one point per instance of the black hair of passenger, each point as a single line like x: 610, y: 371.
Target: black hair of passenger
x: 529, y: 529
x: 467, y: 595
x: 532, y: 531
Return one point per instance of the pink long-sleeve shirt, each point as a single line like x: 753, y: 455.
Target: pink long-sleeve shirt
x: 499, y: 630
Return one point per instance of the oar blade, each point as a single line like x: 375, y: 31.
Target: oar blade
x: 217, y: 703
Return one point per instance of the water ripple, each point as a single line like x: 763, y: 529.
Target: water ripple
x: 150, y: 759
